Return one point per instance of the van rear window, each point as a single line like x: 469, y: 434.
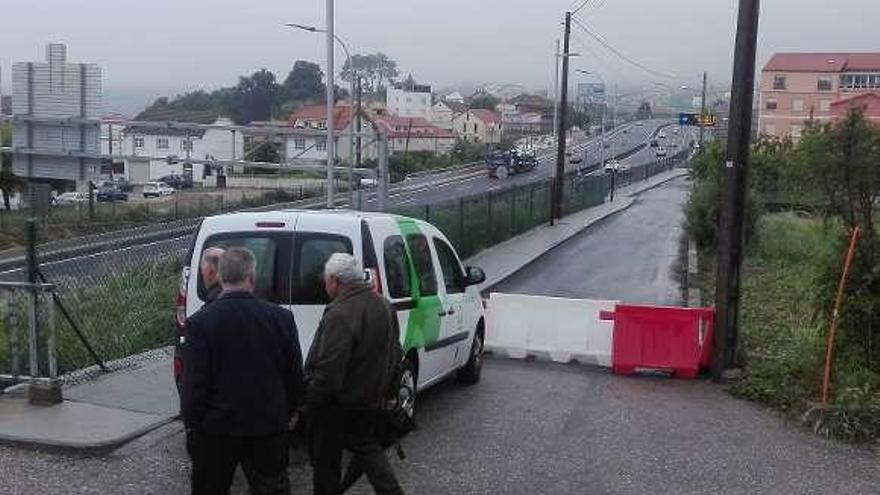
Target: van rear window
x: 270, y: 250
x: 312, y: 250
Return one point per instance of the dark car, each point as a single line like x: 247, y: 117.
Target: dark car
x: 120, y: 183
x: 111, y: 193
x: 177, y: 181
x: 502, y: 164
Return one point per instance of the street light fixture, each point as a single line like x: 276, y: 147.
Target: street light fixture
x: 330, y: 108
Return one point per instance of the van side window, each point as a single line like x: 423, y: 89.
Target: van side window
x: 397, y: 272
x: 453, y: 278
x: 311, y: 252
x: 272, y: 267
x: 421, y: 253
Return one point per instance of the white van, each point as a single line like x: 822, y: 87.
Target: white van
x: 411, y: 262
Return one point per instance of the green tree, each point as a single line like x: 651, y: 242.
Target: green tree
x: 9, y: 182
x: 375, y: 69
x: 485, y: 101
x: 255, y: 97
x: 305, y: 82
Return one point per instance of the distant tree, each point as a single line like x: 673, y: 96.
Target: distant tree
x: 644, y: 112
x: 485, y: 101
x: 255, y: 97
x: 266, y: 152
x: 375, y: 69
x: 305, y: 82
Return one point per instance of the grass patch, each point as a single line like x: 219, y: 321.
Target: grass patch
x: 783, y: 330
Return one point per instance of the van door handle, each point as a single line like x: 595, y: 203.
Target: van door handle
x: 441, y: 314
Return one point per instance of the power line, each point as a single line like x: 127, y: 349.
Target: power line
x: 619, y: 54
x: 582, y: 5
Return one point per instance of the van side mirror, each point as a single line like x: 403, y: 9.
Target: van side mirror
x: 474, y: 275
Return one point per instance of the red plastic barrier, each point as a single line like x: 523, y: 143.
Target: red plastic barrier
x: 661, y: 338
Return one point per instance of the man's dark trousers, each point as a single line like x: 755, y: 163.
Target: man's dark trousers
x: 334, y: 429
x: 263, y: 460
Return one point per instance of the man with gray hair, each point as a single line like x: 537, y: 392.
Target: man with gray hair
x: 209, y: 269
x: 348, y: 371
x: 242, y: 381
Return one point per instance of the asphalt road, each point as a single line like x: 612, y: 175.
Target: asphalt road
x: 530, y: 427
x: 628, y: 257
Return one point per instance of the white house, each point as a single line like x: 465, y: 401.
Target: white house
x: 445, y: 112
x: 414, y: 101
x: 165, y: 151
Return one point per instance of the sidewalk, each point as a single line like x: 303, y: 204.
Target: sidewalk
x: 107, y: 411
x: 505, y: 259
x: 99, y: 414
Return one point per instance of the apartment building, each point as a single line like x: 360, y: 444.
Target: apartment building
x: 797, y: 87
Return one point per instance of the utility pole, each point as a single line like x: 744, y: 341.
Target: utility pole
x: 703, y: 109
x: 331, y: 106
x: 556, y: 203
x: 556, y: 89
x: 359, y: 123
x: 733, y: 191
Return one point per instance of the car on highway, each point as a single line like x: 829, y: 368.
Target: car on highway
x: 157, y: 190
x: 574, y: 157
x: 70, y: 198
x: 111, y: 193
x: 612, y: 166
x: 675, y: 131
x: 410, y: 262
x: 654, y: 143
x: 640, y: 123
x: 661, y: 135
x: 661, y: 152
x: 502, y: 164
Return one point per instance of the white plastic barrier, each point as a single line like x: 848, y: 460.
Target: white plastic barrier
x: 558, y: 328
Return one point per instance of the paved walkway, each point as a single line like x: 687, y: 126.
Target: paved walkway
x: 114, y: 408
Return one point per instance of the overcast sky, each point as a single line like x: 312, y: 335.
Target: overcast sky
x: 162, y: 46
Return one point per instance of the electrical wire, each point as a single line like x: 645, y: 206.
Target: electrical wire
x: 582, y: 5
x: 619, y: 54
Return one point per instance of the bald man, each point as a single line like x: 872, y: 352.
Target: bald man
x: 210, y: 273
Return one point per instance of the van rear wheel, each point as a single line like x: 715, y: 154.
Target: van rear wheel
x: 407, y: 388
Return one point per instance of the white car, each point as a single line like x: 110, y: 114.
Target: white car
x: 612, y: 166
x: 661, y: 135
x: 410, y: 262
x: 157, y: 190
x: 368, y: 182
x: 70, y: 198
x: 661, y: 152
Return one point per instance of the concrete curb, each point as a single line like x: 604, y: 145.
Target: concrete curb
x: 85, y: 447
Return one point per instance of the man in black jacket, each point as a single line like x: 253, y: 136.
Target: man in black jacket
x: 347, y: 376
x: 241, y: 383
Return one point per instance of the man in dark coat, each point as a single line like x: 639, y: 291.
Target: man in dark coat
x: 348, y: 370
x: 241, y: 383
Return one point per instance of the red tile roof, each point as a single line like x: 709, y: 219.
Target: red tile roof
x: 823, y: 62
x: 415, y: 127
x: 852, y: 99
x: 487, y: 116
x: 341, y: 115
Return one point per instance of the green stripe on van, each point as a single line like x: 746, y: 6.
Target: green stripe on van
x: 423, y: 324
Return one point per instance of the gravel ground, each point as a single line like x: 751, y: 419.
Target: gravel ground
x: 531, y: 427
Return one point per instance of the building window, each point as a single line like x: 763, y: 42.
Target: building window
x: 779, y: 82
x: 322, y: 125
x: 475, y: 127
x: 186, y: 145
x: 770, y: 129
x: 299, y: 143
x: 824, y: 83
x: 797, y: 105
x: 162, y: 143
x: 138, y: 142
x: 796, y: 130
x: 321, y: 144
x: 771, y: 104
x: 825, y: 106
x: 860, y: 81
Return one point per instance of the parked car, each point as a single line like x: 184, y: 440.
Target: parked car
x: 612, y: 166
x: 118, y: 182
x: 70, y: 198
x: 177, y: 181
x: 410, y: 262
x: 157, y: 190
x: 574, y: 158
x: 368, y: 182
x: 661, y: 152
x: 111, y: 193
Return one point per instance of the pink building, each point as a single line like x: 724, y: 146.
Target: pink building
x: 797, y: 87
x: 868, y: 102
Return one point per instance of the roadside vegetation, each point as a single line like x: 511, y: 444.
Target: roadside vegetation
x: 804, y: 201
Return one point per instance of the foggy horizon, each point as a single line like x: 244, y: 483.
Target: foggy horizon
x: 164, y: 48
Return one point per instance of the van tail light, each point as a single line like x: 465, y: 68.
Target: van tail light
x: 376, y: 281
x: 180, y: 304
